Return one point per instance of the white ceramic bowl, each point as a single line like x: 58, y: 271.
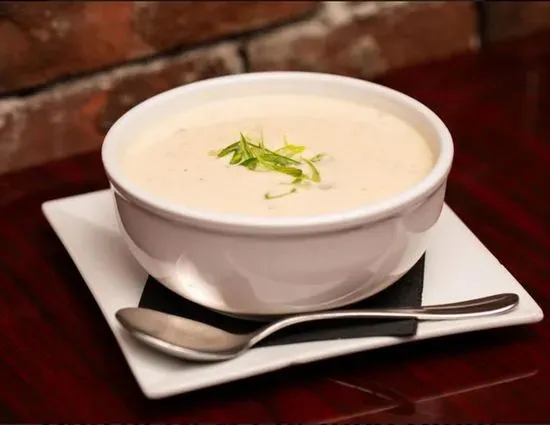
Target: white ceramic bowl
x: 255, y: 266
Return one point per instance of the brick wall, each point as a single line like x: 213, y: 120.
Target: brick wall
x: 68, y: 70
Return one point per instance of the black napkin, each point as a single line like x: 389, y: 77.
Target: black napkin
x: 407, y: 292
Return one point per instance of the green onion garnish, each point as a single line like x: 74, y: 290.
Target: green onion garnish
x: 279, y: 195
x: 256, y: 157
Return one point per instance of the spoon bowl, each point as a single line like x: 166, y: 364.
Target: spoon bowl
x: 185, y: 338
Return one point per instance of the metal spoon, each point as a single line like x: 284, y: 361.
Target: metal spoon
x: 196, y: 341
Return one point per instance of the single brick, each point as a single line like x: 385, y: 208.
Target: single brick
x: 507, y: 19
x: 374, y: 39
x: 164, y: 25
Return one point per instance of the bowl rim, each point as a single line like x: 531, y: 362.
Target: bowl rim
x: 256, y: 224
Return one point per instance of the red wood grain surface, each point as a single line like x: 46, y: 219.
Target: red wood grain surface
x: 60, y: 362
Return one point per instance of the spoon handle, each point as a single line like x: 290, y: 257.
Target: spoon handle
x: 486, y: 306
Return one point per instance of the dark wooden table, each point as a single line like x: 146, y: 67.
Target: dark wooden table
x: 60, y: 362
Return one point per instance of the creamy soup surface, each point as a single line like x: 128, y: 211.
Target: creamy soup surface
x: 365, y: 156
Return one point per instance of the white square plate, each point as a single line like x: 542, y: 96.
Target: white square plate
x: 454, y: 271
